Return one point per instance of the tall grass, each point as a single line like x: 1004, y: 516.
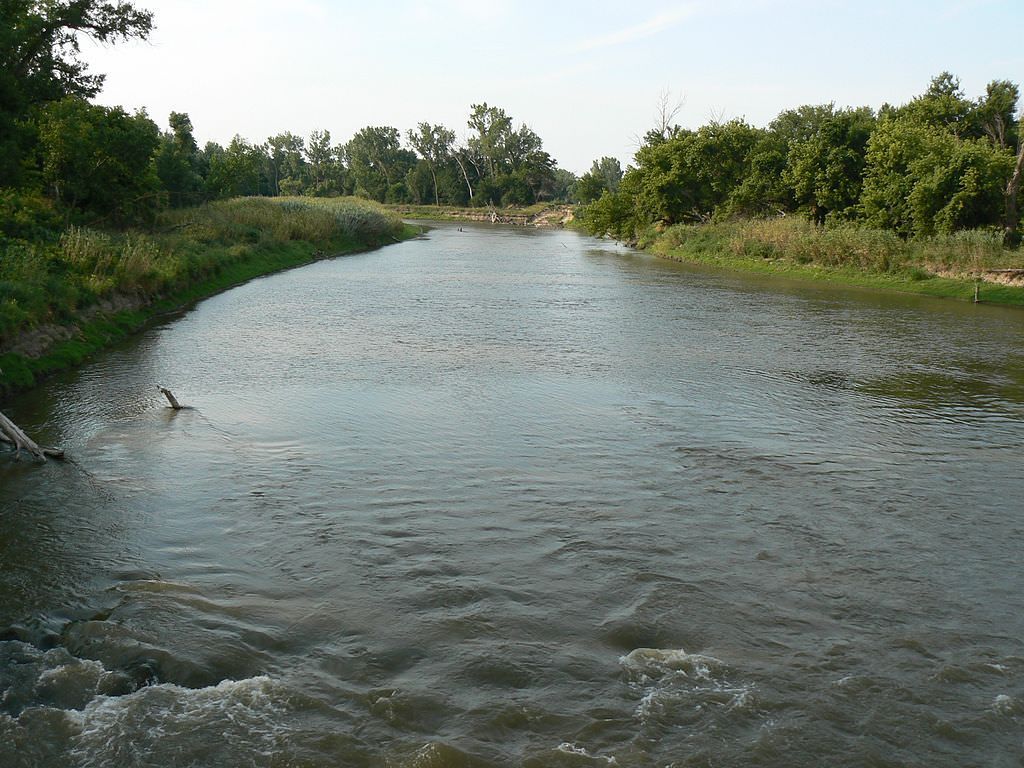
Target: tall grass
x: 797, y: 241
x: 285, y: 219
x: 44, y: 280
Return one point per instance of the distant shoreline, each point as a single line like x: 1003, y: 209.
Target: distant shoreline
x: 538, y: 215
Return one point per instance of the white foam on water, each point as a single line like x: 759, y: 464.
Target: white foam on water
x: 669, y: 679
x: 79, y: 672
x: 569, y: 748
x: 655, y: 663
x: 1004, y: 704
x: 234, y: 722
x: 32, y: 677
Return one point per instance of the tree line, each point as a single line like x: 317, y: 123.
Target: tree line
x: 104, y: 165
x: 941, y: 163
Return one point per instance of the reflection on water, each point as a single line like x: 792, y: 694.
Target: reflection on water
x: 506, y: 497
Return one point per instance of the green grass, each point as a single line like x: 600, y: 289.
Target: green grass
x: 946, y: 266
x: 192, y: 254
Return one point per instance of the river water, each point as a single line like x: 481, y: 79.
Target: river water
x: 500, y: 497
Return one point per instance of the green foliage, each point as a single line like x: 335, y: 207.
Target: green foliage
x: 378, y: 164
x: 943, y: 105
x: 178, y: 163
x: 39, y: 46
x: 940, y: 164
x: 325, y: 169
x: 434, y: 144
x: 690, y: 175
x: 27, y: 215
x: 236, y: 171
x: 604, y: 175
x: 611, y: 214
x: 824, y: 168
x: 510, y: 166
x: 763, y: 191
x: 286, y: 162
x: 922, y: 178
x: 97, y: 160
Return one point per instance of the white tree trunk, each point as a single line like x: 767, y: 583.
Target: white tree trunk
x: 11, y: 433
x: 170, y: 398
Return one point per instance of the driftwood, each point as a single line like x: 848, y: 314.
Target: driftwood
x: 11, y: 433
x: 170, y: 398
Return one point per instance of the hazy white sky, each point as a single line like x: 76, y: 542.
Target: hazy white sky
x: 586, y: 76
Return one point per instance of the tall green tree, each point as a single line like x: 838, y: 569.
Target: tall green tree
x: 378, y: 163
x: 944, y: 162
x: 604, y: 175
x: 178, y: 162
x: 286, y: 163
x: 692, y: 175
x: 97, y: 161
x: 321, y: 159
x: 922, y: 178
x: 434, y: 144
x: 237, y: 170
x: 491, y: 127
x: 825, y: 168
x: 39, y: 61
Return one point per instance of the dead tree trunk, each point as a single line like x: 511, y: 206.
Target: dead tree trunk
x: 1011, y: 235
x: 12, y: 433
x: 170, y: 398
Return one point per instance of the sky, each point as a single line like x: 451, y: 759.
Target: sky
x: 588, y: 77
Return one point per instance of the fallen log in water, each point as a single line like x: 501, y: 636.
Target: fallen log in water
x: 11, y: 433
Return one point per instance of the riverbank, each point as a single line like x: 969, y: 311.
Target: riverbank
x: 964, y: 266
x: 537, y: 215
x: 62, y: 301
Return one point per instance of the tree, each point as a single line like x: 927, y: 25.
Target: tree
x: 434, y: 143
x: 762, y: 190
x: 995, y: 113
x: 98, y: 160
x: 39, y: 64
x: 922, y: 178
x: 321, y: 160
x: 564, y: 185
x: 510, y: 165
x: 492, y: 126
x: 943, y: 105
x: 692, y: 175
x: 286, y: 163
x: 178, y: 162
x: 604, y: 175
x: 529, y: 168
x: 824, y: 169
x: 943, y: 162
x: 463, y: 157
x: 237, y: 170
x: 996, y: 117
x: 378, y: 163
x: 1011, y: 217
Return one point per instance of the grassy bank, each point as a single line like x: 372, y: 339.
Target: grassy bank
x: 65, y: 294
x: 951, y: 266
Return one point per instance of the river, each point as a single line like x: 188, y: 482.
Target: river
x: 504, y: 497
